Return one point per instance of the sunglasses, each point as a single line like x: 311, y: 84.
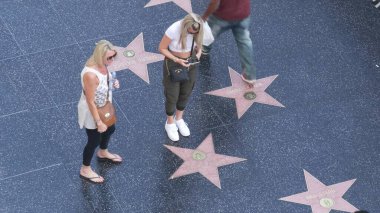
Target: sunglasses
x: 195, y: 27
x: 111, y: 57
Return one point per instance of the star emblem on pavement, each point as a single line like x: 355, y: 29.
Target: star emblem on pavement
x: 184, y: 4
x: 203, y: 159
x: 244, y: 95
x: 135, y: 58
x: 322, y: 198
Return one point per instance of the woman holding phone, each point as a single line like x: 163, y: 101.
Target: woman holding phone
x: 176, y: 46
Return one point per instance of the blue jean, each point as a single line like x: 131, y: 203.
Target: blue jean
x: 242, y: 37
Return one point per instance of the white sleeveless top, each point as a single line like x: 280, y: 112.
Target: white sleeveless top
x: 85, y: 118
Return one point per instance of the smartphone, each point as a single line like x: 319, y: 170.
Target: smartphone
x: 192, y: 61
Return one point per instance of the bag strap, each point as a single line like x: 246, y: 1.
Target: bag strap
x: 192, y: 46
x: 167, y: 68
x: 108, y: 84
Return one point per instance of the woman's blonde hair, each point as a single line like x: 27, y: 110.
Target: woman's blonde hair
x: 98, y: 56
x: 194, y: 21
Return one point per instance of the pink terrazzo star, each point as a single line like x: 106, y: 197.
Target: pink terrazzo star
x: 184, y: 4
x: 203, y: 159
x: 244, y: 95
x: 322, y: 198
x: 135, y: 58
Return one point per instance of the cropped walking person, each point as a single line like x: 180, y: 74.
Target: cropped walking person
x: 234, y: 15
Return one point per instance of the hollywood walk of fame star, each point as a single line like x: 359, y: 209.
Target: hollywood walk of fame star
x: 203, y: 159
x: 184, y: 4
x: 322, y: 198
x: 245, y: 95
x: 135, y: 58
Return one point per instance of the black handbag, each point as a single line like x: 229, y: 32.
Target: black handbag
x: 177, y: 72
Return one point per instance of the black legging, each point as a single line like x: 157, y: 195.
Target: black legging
x: 94, y: 140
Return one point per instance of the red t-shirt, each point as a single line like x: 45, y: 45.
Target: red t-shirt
x: 232, y: 10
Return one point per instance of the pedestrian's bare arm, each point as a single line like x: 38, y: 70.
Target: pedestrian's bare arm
x: 212, y: 6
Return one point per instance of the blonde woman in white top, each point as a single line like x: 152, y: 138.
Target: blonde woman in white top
x: 176, y: 46
x: 95, y: 89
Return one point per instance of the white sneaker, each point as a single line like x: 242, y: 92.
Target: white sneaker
x: 172, y: 131
x: 183, y: 129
